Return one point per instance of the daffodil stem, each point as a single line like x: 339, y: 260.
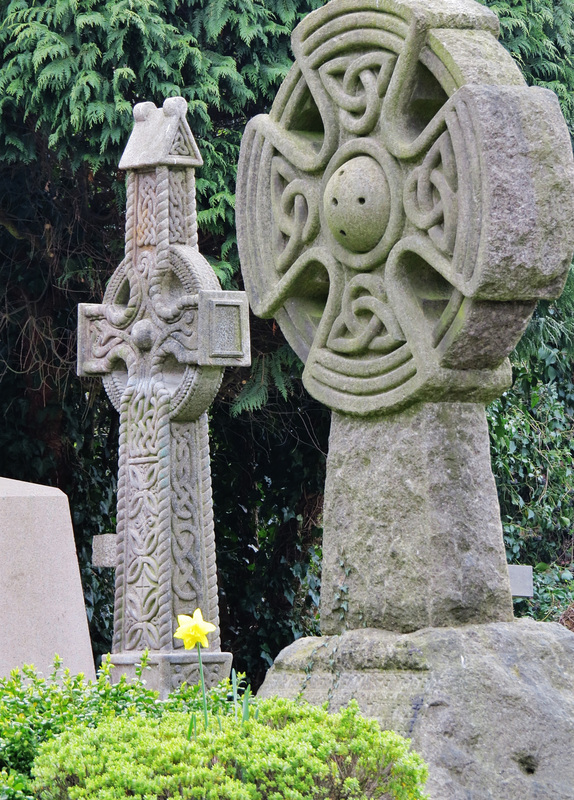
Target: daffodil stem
x: 202, y: 679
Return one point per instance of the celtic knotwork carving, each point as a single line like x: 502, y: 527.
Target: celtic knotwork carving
x: 146, y: 558
x: 177, y: 207
x: 357, y: 86
x: 160, y: 341
x: 214, y: 672
x: 366, y: 322
x: 146, y: 212
x: 430, y: 195
x: 194, y: 572
x: 180, y: 146
x: 296, y: 211
x: 413, y: 134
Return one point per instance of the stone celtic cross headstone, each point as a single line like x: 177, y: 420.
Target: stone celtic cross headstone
x: 160, y: 341
x: 400, y: 211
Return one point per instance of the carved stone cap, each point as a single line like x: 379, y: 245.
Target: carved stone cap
x: 161, y: 137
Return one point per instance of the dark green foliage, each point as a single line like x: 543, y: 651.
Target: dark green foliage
x: 278, y: 370
x: 295, y: 751
x: 532, y: 425
x: 70, y: 73
x: 532, y: 455
x: 532, y: 443
x: 268, y: 475
x: 553, y: 592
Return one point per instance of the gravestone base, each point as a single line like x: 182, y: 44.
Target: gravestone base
x: 490, y: 707
x: 167, y: 671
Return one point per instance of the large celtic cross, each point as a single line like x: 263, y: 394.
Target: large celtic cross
x: 160, y: 341
x: 400, y: 211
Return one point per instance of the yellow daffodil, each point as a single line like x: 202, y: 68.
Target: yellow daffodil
x: 193, y: 630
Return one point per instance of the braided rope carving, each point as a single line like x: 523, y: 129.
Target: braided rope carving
x: 191, y: 219
x: 130, y: 215
x: 163, y: 553
x: 119, y: 596
x: 178, y: 207
x: 146, y: 213
x: 204, y: 475
x: 162, y: 220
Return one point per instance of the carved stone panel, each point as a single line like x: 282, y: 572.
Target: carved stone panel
x: 405, y: 204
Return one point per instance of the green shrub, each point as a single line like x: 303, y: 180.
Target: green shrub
x: 14, y: 785
x: 103, y: 740
x: 34, y: 709
x: 291, y: 750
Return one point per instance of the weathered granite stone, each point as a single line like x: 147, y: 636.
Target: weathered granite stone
x: 412, y: 532
x: 160, y: 340
x: 490, y: 707
x: 105, y: 550
x: 404, y: 204
x: 400, y: 211
x: 42, y: 610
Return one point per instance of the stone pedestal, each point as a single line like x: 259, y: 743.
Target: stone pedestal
x: 42, y: 610
x: 412, y: 533
x: 490, y: 707
x: 167, y: 671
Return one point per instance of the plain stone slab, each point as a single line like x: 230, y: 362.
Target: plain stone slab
x: 104, y: 550
x: 521, y: 580
x: 42, y: 611
x: 489, y: 707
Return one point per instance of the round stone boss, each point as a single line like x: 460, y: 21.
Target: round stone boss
x: 405, y: 204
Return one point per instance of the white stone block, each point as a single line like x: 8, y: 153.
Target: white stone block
x: 42, y: 611
x: 521, y: 580
x: 104, y: 549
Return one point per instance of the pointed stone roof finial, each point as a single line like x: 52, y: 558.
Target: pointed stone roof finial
x: 161, y: 137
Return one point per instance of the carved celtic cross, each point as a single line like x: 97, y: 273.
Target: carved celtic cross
x: 160, y: 341
x: 400, y: 211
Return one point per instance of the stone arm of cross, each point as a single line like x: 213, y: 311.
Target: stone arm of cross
x: 101, y: 344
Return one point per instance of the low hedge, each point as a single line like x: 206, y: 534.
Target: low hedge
x: 292, y: 751
x: 65, y: 737
x: 34, y: 709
